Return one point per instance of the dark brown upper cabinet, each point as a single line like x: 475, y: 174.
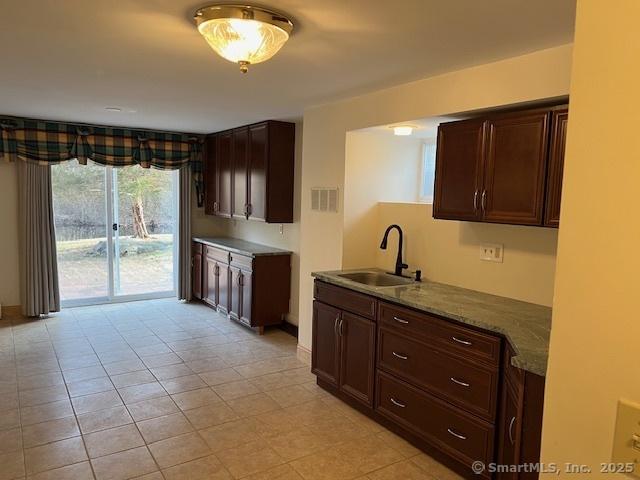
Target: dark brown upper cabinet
x: 240, y: 172
x: 560, y: 119
x: 495, y: 168
x: 254, y: 172
x: 223, y: 176
x: 459, y: 163
x: 515, y: 168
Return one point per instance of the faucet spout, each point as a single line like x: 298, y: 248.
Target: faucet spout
x: 383, y: 245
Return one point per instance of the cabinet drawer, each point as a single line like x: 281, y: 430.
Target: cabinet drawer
x: 241, y: 261
x: 459, y: 434
x: 464, y: 384
x: 444, y: 334
x: 344, y: 299
x: 217, y: 254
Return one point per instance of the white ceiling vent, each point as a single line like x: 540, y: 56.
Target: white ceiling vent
x: 324, y: 199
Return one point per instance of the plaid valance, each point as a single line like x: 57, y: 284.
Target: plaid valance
x: 48, y: 143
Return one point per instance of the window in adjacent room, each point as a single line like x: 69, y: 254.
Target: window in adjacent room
x: 428, y: 168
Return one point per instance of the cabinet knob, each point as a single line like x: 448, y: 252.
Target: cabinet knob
x: 397, y: 403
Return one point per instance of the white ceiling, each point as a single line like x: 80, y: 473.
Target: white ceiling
x: 68, y: 60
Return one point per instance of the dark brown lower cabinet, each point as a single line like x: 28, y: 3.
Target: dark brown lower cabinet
x: 447, y: 388
x: 196, y: 270
x: 240, y: 298
x: 357, y: 344
x: 521, y: 420
x: 458, y: 433
x: 343, y: 351
x: 251, y: 290
x: 325, y: 353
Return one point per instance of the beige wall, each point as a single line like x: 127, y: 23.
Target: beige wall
x: 259, y: 232
x: 543, y: 74
x: 9, y: 268
x: 378, y: 167
x: 593, y: 358
x: 448, y: 252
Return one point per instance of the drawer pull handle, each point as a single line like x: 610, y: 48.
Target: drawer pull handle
x: 401, y: 357
x: 400, y: 320
x: 459, y: 382
x: 463, y: 342
x: 457, y: 435
x: 397, y: 403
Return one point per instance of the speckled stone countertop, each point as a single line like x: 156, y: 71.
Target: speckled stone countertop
x: 527, y: 326
x: 241, y: 247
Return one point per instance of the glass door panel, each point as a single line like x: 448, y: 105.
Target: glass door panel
x: 116, y: 232
x: 145, y: 219
x: 80, y: 213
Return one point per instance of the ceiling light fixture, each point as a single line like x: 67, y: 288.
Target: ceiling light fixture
x: 403, y: 130
x: 243, y: 34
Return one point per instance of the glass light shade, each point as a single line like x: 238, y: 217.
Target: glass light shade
x: 403, y: 130
x: 239, y: 40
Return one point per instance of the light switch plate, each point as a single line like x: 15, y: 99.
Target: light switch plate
x: 492, y: 252
x: 626, y: 443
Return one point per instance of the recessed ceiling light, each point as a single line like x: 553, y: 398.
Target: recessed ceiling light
x: 243, y: 34
x: 113, y: 109
x: 403, y: 130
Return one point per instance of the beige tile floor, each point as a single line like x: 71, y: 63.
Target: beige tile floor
x: 165, y: 390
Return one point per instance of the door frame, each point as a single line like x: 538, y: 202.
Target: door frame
x: 113, y: 261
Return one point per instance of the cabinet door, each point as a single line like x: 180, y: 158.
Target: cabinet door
x: 509, y: 448
x: 196, y: 276
x: 458, y: 177
x: 357, y: 343
x: 258, y: 141
x: 325, y: 361
x: 224, y: 152
x: 223, y: 287
x: 209, y: 175
x: 246, y: 278
x: 559, y: 122
x: 235, y: 294
x: 210, y: 293
x: 515, y: 168
x: 240, y: 171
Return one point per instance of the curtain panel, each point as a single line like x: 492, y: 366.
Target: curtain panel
x: 47, y: 143
x: 39, y: 290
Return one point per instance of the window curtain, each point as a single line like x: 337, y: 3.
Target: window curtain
x: 39, y: 289
x: 184, y: 235
x: 47, y: 143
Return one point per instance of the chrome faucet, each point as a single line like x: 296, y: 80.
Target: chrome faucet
x: 399, y: 265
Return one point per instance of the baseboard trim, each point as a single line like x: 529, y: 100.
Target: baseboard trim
x: 289, y: 328
x: 303, y: 354
x: 11, y: 312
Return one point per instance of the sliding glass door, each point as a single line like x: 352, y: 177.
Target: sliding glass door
x: 116, y: 232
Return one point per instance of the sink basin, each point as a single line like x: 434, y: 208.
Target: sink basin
x: 376, y: 279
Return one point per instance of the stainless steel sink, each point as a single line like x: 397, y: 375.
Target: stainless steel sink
x: 376, y: 279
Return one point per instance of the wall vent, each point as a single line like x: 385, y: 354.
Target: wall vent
x: 324, y: 199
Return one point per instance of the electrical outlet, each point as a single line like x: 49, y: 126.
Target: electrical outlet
x: 492, y: 252
x: 281, y: 229
x: 626, y: 441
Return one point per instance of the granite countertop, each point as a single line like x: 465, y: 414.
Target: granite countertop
x: 241, y: 247
x: 526, y: 326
